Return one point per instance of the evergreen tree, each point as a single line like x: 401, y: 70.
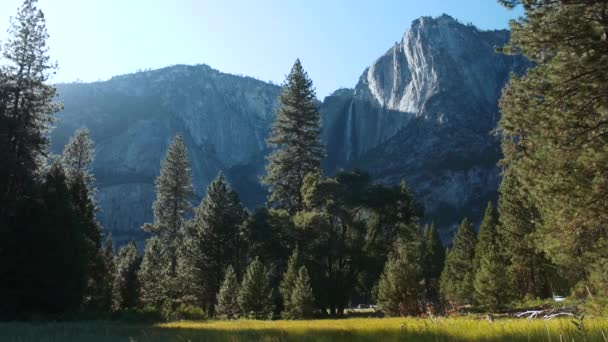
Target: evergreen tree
x: 456, y: 282
x: 289, y: 279
x: 76, y: 159
x: 58, y: 254
x: 152, y: 274
x: 492, y: 284
x: 528, y: 267
x: 434, y: 255
x: 173, y: 195
x: 400, y: 285
x: 255, y: 294
x: 487, y: 237
x: 26, y: 105
x: 110, y: 269
x: 227, y: 306
x: 125, y: 290
x: 211, y: 242
x: 301, y: 304
x: 26, y: 112
x: 78, y: 155
x: 295, y: 136
x: 554, y: 121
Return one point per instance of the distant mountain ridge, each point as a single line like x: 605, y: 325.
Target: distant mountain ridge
x: 423, y: 111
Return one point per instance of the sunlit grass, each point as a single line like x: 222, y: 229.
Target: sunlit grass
x: 354, y: 329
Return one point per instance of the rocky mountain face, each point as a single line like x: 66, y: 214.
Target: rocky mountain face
x: 424, y: 111
x: 133, y: 118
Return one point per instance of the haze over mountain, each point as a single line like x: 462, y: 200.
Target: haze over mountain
x: 424, y: 111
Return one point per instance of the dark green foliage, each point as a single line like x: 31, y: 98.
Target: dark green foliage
x: 211, y: 242
x: 62, y: 264
x: 289, y: 279
x: 26, y: 111
x: 401, y: 285
x: 295, y: 136
x: 173, y: 195
x: 434, y: 259
x: 346, y: 231
x: 492, y: 283
x: 456, y: 282
x: 255, y: 294
x: 76, y: 160
x: 487, y: 237
x: 152, y: 275
x: 301, y: 304
x: 125, y: 290
x: 528, y: 266
x: 554, y: 122
x: 227, y: 306
x: 26, y: 105
x: 108, y: 280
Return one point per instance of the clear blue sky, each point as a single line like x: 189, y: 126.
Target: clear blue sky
x: 335, y: 39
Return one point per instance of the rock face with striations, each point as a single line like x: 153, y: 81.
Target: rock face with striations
x: 424, y: 111
x: 133, y: 118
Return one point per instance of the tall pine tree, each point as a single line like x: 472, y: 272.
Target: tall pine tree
x: 26, y: 112
x: 76, y: 159
x: 554, y: 123
x: 434, y: 258
x: 529, y: 268
x: 173, y: 194
x: 456, y: 282
x: 295, y: 136
x: 211, y: 242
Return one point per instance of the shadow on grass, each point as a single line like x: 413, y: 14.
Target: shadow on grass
x: 117, y: 332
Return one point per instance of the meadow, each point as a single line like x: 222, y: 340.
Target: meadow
x: 353, y: 329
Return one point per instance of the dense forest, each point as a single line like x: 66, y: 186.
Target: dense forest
x: 321, y: 244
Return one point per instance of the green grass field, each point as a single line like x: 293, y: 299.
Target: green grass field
x: 354, y: 329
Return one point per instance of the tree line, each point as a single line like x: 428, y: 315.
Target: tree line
x: 322, y: 243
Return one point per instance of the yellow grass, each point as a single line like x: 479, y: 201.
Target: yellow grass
x: 354, y: 329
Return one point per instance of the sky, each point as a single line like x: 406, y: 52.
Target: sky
x: 335, y: 39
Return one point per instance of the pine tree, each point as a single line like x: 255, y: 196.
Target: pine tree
x: 125, y: 290
x: 456, y: 282
x: 554, y: 121
x: 108, y: 280
x: 434, y: 255
x: 289, y: 279
x: 58, y: 253
x: 255, y: 294
x: 173, y: 195
x: 26, y: 104
x: 77, y: 156
x: 26, y: 112
x: 399, y: 287
x: 528, y: 267
x: 295, y: 136
x: 211, y: 242
x: 492, y: 284
x: 301, y: 304
x: 487, y: 237
x: 227, y: 306
x: 152, y: 274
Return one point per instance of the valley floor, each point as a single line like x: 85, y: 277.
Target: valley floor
x: 354, y: 329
